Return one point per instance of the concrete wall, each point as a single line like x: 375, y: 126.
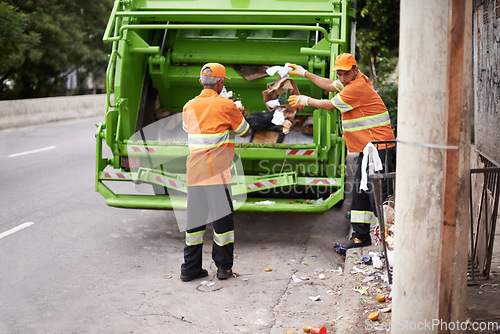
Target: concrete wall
x: 486, y: 77
x: 17, y: 113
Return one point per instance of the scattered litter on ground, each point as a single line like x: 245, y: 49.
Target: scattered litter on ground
x: 337, y: 319
x: 339, y: 249
x: 315, y: 298
x: 321, y: 276
x: 387, y: 309
x: 358, y: 270
x: 296, y: 279
x: 338, y: 270
x: 167, y: 276
x: 207, y: 283
x: 361, y: 289
x: 373, y: 316
x: 318, y: 330
x: 377, y: 263
x: 268, y: 269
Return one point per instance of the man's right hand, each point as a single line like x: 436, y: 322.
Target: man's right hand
x: 298, y: 70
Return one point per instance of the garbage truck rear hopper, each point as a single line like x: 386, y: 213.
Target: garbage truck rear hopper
x: 158, y: 49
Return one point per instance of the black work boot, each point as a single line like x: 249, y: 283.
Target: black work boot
x: 355, y: 242
x: 202, y: 273
x: 224, y: 273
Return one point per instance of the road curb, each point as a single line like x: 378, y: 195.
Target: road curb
x: 355, y: 306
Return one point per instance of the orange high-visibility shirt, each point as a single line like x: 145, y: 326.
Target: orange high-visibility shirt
x: 211, y: 122
x: 364, y: 115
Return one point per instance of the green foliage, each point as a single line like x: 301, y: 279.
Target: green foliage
x: 377, y: 29
x: 15, y: 41
x: 387, y: 87
x: 377, y: 37
x: 68, y: 37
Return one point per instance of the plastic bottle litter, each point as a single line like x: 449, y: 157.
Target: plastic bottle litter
x: 318, y: 330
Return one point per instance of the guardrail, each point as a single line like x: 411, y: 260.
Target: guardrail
x: 18, y: 113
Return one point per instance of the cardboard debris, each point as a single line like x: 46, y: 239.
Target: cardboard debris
x: 280, y: 90
x: 265, y: 137
x: 251, y: 72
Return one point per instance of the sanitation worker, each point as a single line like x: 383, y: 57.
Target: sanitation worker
x: 364, y: 119
x: 211, y: 121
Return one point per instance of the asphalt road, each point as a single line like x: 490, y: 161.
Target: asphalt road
x: 71, y: 264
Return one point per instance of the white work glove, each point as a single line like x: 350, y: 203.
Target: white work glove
x: 338, y: 85
x: 298, y: 100
x: 298, y: 70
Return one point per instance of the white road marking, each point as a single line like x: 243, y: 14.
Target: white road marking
x: 33, y: 151
x: 15, y: 229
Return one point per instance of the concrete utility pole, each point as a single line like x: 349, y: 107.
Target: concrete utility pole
x: 432, y: 175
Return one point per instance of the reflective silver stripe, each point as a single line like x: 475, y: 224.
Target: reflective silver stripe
x: 184, y: 127
x: 242, y: 128
x: 341, y: 105
x: 210, y: 140
x: 366, y: 122
x: 195, y: 238
x: 338, y: 85
x: 361, y: 216
x: 224, y: 238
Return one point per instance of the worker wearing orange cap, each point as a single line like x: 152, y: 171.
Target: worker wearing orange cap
x: 364, y: 119
x: 211, y: 121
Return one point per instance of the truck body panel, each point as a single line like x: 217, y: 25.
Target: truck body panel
x: 159, y: 47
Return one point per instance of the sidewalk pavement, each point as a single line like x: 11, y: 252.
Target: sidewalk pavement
x: 483, y: 296
x: 362, y: 284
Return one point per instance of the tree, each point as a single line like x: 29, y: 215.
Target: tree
x: 377, y: 36
x: 377, y: 32
x: 69, y: 33
x: 17, y: 44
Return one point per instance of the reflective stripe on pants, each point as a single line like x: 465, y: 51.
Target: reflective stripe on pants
x: 194, y: 238
x: 224, y: 239
x: 364, y: 217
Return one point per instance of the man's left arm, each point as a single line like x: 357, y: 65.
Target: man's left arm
x: 238, y: 123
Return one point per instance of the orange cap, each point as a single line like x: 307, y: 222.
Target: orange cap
x: 218, y: 70
x: 344, y: 61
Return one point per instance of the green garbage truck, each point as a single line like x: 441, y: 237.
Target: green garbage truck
x: 158, y: 49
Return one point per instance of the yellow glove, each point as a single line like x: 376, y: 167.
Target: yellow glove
x: 298, y: 70
x: 298, y: 100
